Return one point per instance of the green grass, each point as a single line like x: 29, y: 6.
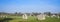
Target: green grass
x: 32, y: 19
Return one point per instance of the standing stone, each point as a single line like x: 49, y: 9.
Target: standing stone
x: 5, y: 16
x: 24, y: 16
x: 53, y: 16
x: 58, y: 17
x: 0, y: 16
x: 41, y: 17
x: 47, y: 16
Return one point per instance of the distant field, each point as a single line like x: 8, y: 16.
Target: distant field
x: 31, y: 19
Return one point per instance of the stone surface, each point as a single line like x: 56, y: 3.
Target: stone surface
x: 24, y: 16
x: 53, y: 16
x: 41, y: 17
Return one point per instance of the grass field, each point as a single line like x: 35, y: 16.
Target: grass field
x: 30, y: 19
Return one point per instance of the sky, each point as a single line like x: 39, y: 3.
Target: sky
x: 29, y: 6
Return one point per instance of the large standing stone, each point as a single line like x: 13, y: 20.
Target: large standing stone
x: 58, y: 17
x: 53, y: 16
x: 47, y: 16
x: 41, y: 17
x: 24, y: 16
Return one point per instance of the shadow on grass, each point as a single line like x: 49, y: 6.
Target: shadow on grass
x: 6, y: 20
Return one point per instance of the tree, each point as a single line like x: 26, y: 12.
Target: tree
x: 28, y: 14
x: 58, y: 13
x: 3, y: 13
x: 47, y: 13
x: 16, y: 13
x: 35, y: 13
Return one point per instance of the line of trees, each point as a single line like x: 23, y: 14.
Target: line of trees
x: 33, y: 13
